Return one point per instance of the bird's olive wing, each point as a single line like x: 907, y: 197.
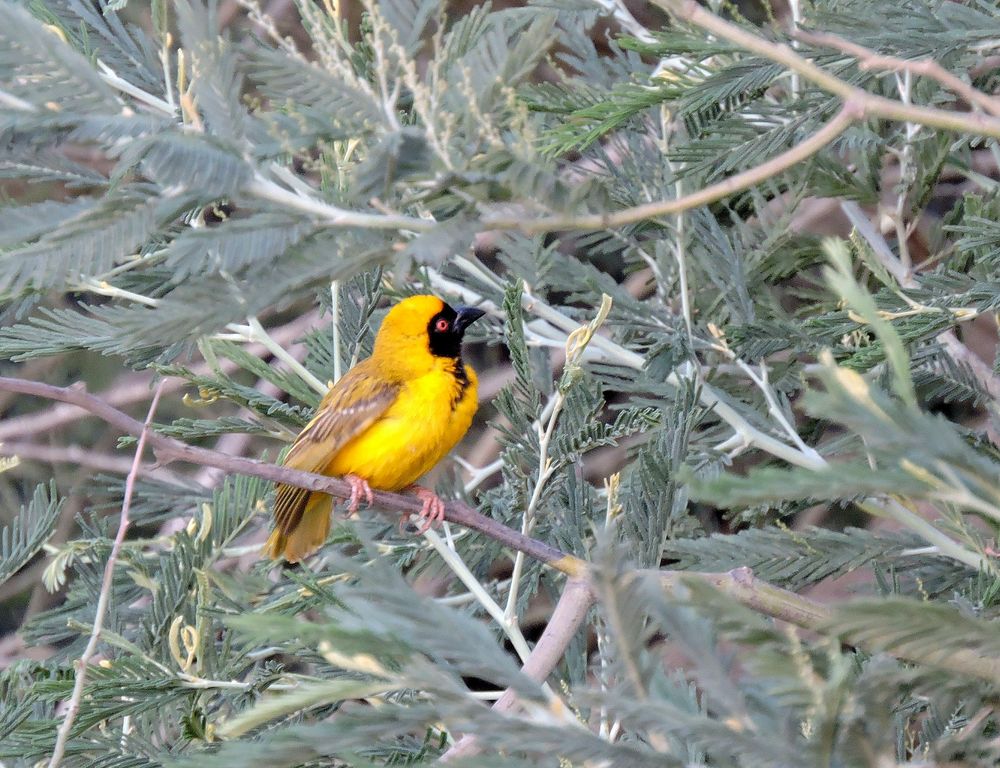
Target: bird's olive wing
x: 347, y: 410
x: 351, y: 406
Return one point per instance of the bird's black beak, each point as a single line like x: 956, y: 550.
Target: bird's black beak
x: 466, y: 316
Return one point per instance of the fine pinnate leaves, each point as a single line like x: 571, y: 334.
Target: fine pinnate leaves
x: 182, y: 178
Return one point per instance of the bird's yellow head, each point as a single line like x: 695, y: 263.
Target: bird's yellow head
x: 422, y: 333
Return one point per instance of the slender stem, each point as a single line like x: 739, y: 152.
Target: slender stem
x: 112, y: 78
x: 796, y: 9
x: 774, y: 409
x: 165, y: 44
x: 930, y: 533
x: 907, y: 174
x: 479, y: 475
x: 258, y: 334
x: 331, y: 215
x: 335, y: 313
x: 193, y: 681
x: 11, y: 101
x: 575, y: 345
x: 680, y: 253
x: 73, y: 707
x: 104, y: 288
x: 460, y: 569
x: 545, y: 470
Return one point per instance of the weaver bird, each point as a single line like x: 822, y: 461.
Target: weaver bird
x: 386, y: 423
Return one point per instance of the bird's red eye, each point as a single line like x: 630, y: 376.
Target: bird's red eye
x: 441, y: 326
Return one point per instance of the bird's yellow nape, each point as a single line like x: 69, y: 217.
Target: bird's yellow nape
x: 409, y: 317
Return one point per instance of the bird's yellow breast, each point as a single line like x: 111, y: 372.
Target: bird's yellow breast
x: 429, y: 416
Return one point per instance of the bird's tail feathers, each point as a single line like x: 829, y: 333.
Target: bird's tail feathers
x: 310, y: 530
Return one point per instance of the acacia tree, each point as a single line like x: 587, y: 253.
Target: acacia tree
x: 695, y: 407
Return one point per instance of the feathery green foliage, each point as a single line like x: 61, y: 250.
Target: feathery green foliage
x: 199, y: 192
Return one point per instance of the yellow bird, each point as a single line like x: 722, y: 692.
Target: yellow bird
x: 386, y: 423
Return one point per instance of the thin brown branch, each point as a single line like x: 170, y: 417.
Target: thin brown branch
x: 62, y: 736
x: 872, y: 104
x: 857, y: 105
x: 566, y: 618
x: 869, y: 59
x: 133, y: 389
x: 851, y: 112
x: 741, y: 585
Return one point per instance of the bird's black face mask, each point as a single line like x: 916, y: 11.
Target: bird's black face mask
x: 446, y: 329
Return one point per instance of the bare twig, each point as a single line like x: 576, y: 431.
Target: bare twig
x: 332, y: 216
x: 852, y: 111
x: 102, y: 601
x: 79, y: 456
x: 764, y: 385
x: 743, y: 586
x: 454, y: 561
x: 858, y: 104
x: 132, y: 390
x: 568, y: 615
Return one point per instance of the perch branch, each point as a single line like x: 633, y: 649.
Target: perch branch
x: 168, y: 449
x: 79, y: 456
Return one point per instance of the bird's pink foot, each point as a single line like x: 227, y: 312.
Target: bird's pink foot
x: 432, y: 511
x: 359, y: 488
